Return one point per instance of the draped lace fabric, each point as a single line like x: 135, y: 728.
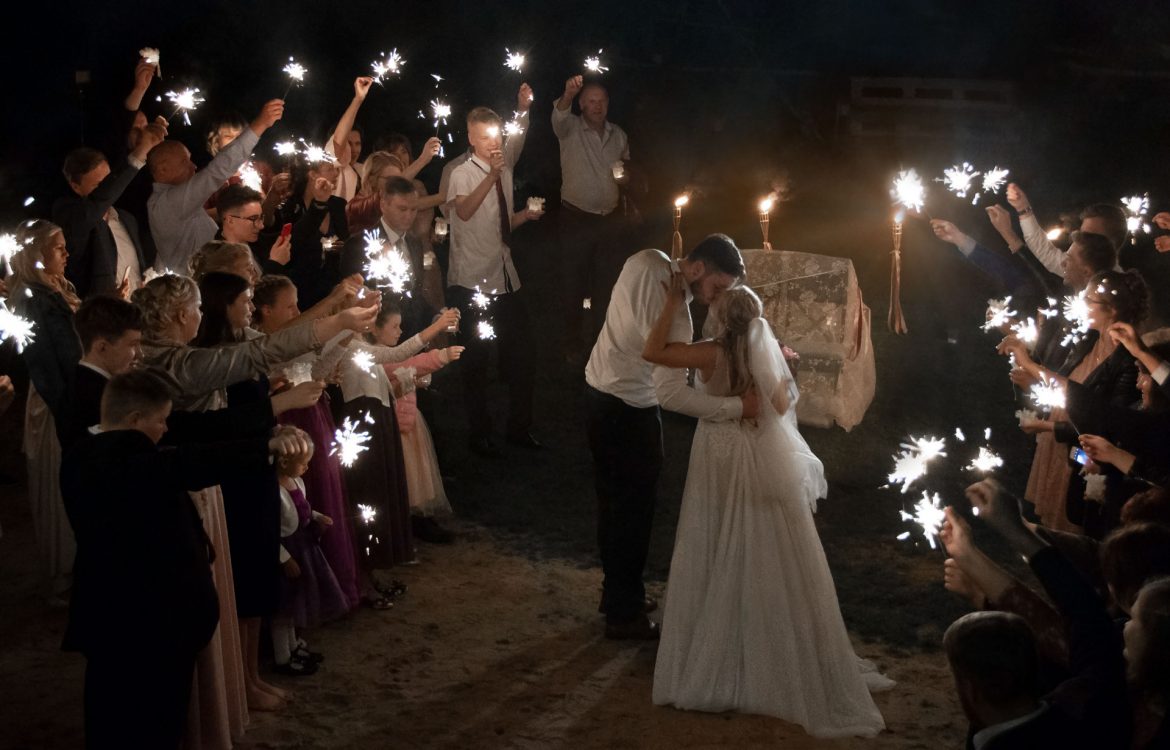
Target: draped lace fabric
x: 751, y: 621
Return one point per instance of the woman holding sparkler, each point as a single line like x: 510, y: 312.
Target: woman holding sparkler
x: 751, y: 621
x: 1108, y: 374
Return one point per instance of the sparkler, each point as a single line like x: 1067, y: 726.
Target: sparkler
x: 1050, y: 312
x: 15, y: 328
x: 1136, y: 208
x: 388, y: 64
x: 185, y: 101
x: 1026, y: 416
x: 150, y: 56
x: 1048, y: 394
x: 959, y: 435
x: 9, y: 246
x: 485, y: 330
x: 440, y: 112
x: 1076, y: 312
x: 911, y: 463
x: 249, y: 176
x: 315, y: 154
x: 766, y: 218
x: 993, y: 181
x: 386, y: 264
x: 593, y: 64
x: 285, y: 148
x: 296, y: 74
x: 349, y: 442
x: 367, y: 512
x: 364, y: 361
x: 676, y: 240
x: 929, y: 515
x: 986, y: 461
x: 513, y: 126
x: 999, y: 313
x: 908, y: 191
x: 1027, y: 331
x: 959, y: 179
x: 514, y: 60
x: 29, y: 201
x: 481, y: 300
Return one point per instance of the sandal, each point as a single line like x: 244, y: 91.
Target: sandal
x: 296, y: 668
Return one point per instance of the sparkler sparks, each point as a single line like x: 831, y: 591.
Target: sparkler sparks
x: 485, y: 330
x: 388, y: 64
x: 364, y: 361
x: 513, y: 60
x: 594, y: 65
x: 367, y: 512
x: 911, y: 463
x: 315, y: 154
x: 986, y: 461
x: 150, y: 56
x: 185, y: 101
x: 1048, y: 394
x: 1136, y: 208
x: 909, y: 191
x: 1054, y: 234
x: 994, y: 179
x: 999, y: 313
x: 9, y: 246
x: 959, y: 178
x: 481, y: 300
x: 513, y: 126
x: 296, y: 71
x: 928, y: 514
x: 440, y: 111
x: 1027, y: 331
x: 249, y: 176
x: 385, y: 264
x: 285, y: 148
x: 15, y: 328
x: 959, y: 435
x: 349, y: 442
x: 1076, y: 312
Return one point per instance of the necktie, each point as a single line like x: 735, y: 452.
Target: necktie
x: 505, y: 229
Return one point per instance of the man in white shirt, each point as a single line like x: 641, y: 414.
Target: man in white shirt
x: 482, y: 224
x: 590, y: 221
x: 177, y: 220
x: 1100, y: 218
x: 623, y: 396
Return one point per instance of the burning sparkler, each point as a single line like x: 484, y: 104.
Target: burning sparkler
x: 959, y: 178
x: 911, y: 463
x: 185, y: 101
x: 1027, y: 331
x: 999, y: 313
x: 296, y: 75
x: 249, y: 176
x: 364, y: 361
x: 993, y: 180
x: 485, y: 330
x: 1048, y: 394
x: 593, y: 64
x: 9, y: 246
x: 959, y: 435
x: 388, y: 64
x: 1076, y: 312
x: 1136, y: 208
x: 513, y: 126
x: 15, y: 328
x: 150, y: 56
x: 367, y: 512
x: 315, y: 154
x: 929, y: 515
x: 514, y: 60
x: 386, y: 264
x: 440, y: 111
x: 986, y: 461
x: 908, y: 191
x: 349, y: 442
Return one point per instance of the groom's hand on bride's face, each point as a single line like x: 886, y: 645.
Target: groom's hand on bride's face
x: 751, y: 403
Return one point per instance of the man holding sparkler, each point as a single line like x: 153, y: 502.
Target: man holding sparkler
x: 177, y: 220
x: 482, y: 222
x: 592, y: 154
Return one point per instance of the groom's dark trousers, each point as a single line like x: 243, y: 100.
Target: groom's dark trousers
x: 626, y: 443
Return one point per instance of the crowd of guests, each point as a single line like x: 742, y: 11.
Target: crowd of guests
x: 205, y: 340
x: 1086, y: 663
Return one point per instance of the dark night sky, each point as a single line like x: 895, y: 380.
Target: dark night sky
x: 691, y: 81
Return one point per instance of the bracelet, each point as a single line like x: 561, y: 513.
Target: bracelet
x: 1025, y: 211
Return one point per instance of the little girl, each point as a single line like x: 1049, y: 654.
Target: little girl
x: 377, y: 478
x: 423, y: 479
x: 309, y: 592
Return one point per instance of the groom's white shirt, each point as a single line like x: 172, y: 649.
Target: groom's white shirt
x: 616, y: 366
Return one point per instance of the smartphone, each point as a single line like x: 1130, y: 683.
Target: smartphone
x: 286, y: 231
x: 1079, y: 455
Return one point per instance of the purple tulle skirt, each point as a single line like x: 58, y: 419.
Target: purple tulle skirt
x: 314, y: 596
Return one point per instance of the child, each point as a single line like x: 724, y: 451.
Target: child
x: 144, y: 603
x: 377, y: 479
x: 423, y: 480
x: 309, y: 593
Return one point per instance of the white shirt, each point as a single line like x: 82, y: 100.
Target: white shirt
x: 1037, y: 241
x: 445, y: 182
x: 479, y: 257
x: 616, y: 366
x: 348, y: 178
x: 127, y: 254
x: 290, y: 520
x: 587, y: 159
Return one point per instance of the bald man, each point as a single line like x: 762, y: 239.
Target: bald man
x: 177, y: 219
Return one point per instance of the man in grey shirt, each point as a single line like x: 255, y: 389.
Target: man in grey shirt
x: 592, y: 154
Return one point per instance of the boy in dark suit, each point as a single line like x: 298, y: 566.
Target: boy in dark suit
x: 143, y: 602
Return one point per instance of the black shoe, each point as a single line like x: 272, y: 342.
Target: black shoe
x: 640, y: 629
x: 296, y: 668
x: 525, y: 440
x: 649, y: 606
x: 428, y: 530
x: 303, y: 654
x: 485, y: 447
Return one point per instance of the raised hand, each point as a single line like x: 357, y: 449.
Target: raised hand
x: 948, y: 232
x: 430, y: 150
x: 524, y: 98
x: 1000, y: 219
x: 1162, y: 219
x: 1124, y: 334
x: 361, y: 87
x: 1017, y: 198
x: 497, y: 163
x: 322, y: 190
x: 573, y: 87
x: 269, y: 115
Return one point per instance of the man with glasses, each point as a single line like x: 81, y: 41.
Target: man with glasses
x: 241, y: 219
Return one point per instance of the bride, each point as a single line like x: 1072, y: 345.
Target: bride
x: 751, y: 621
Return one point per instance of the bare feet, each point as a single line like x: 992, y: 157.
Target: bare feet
x: 259, y: 700
x: 271, y: 689
x: 959, y: 582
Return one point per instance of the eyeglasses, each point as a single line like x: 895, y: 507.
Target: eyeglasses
x: 257, y: 219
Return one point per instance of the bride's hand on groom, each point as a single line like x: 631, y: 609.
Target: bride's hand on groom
x: 751, y: 403
x: 676, y: 289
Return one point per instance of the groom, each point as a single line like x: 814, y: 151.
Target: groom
x: 623, y: 394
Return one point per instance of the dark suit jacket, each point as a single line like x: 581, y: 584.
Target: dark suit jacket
x: 82, y: 406
x: 142, y: 576
x: 93, y: 255
x: 417, y: 313
x: 55, y: 349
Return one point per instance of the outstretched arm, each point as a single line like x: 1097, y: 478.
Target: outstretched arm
x: 340, y: 140
x: 659, y: 350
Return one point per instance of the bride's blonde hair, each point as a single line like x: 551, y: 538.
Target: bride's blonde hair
x: 735, y: 310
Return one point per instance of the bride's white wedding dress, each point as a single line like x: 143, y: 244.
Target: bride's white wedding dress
x: 751, y: 621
